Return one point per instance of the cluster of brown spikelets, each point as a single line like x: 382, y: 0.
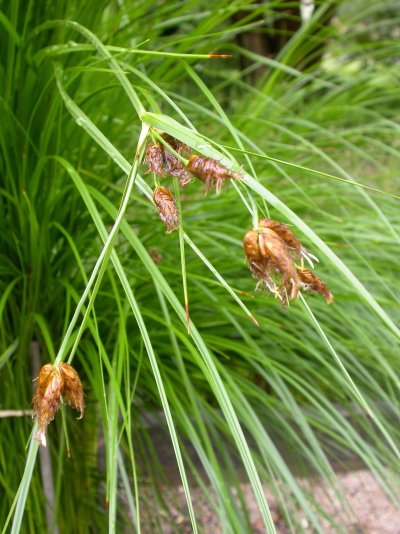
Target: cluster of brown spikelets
x: 271, y: 251
x: 53, y: 385
x: 163, y: 162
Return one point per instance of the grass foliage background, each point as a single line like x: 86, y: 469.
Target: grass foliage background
x: 79, y: 82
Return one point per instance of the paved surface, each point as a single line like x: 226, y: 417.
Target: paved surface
x: 369, y: 509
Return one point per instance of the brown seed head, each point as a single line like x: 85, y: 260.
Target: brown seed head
x: 209, y: 171
x: 52, y: 385
x: 167, y: 208
x: 310, y: 282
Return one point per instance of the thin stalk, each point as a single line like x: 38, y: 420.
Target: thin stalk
x: 182, y: 249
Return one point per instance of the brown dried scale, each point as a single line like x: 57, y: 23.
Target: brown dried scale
x: 251, y: 248
x: 285, y: 233
x: 209, y: 171
x: 54, y: 384
x: 73, y: 392
x: 274, y: 249
x: 167, y: 208
x: 311, y: 282
x: 47, y: 398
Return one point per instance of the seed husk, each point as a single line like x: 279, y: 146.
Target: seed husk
x: 312, y: 283
x: 155, y: 159
x: 167, y: 208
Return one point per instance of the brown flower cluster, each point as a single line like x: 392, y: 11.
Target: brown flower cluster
x: 53, y: 385
x: 167, y: 208
x: 163, y: 163
x: 271, y: 251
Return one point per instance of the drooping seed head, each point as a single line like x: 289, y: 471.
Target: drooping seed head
x: 270, y: 251
x: 164, y: 163
x: 167, y: 208
x: 53, y: 384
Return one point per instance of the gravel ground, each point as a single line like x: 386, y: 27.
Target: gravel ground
x: 373, y: 512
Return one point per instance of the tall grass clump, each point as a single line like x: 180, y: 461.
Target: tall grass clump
x: 167, y: 334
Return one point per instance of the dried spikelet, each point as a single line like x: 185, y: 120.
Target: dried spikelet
x: 52, y: 383
x: 174, y: 167
x: 209, y: 171
x: 271, y: 263
x: 167, y: 208
x: 73, y: 392
x: 310, y: 282
x: 270, y: 251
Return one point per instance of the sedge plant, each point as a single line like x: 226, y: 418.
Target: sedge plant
x: 167, y: 332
